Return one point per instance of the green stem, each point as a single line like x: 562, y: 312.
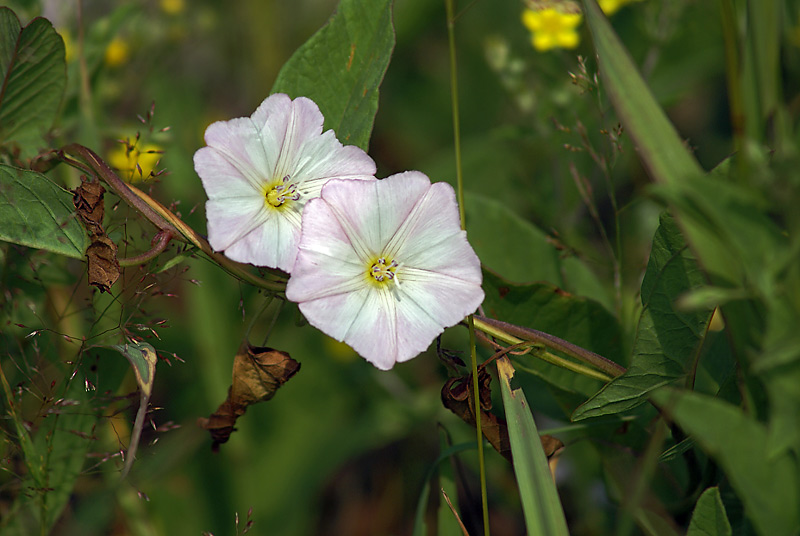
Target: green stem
x: 511, y: 334
x: 460, y: 193
x: 733, y: 63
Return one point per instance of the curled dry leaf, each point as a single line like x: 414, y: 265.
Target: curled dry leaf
x: 104, y: 269
x: 88, y: 201
x: 257, y: 375
x: 457, y: 396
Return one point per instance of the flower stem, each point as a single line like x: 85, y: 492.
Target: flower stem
x: 460, y: 192
x: 511, y: 334
x: 162, y: 217
x: 160, y: 242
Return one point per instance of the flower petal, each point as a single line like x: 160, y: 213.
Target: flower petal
x: 326, y: 262
x: 434, y: 218
x: 373, y: 212
x: 324, y: 158
x: 237, y: 142
x: 364, y: 319
x: 437, y: 283
x: 271, y: 243
x: 230, y: 219
x: 427, y: 304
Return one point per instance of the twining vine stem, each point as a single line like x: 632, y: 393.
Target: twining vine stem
x: 512, y: 334
x: 162, y: 217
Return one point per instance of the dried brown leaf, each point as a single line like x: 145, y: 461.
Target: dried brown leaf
x: 88, y: 200
x: 457, y: 396
x: 104, y: 269
x: 257, y: 375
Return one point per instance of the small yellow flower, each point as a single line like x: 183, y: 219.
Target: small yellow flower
x: 117, y: 52
x: 610, y: 7
x: 125, y: 160
x: 552, y: 28
x: 69, y: 44
x: 172, y: 7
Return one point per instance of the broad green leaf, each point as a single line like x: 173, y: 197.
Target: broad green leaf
x: 37, y: 213
x: 540, y: 503
x: 521, y: 252
x: 728, y: 227
x: 662, y: 150
x: 34, y: 76
x: 667, y: 339
x: 783, y: 388
x: 547, y: 308
x: 709, y: 517
x: 341, y: 67
x: 768, y: 486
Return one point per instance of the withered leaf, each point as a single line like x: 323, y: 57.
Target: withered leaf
x: 104, y: 269
x: 88, y: 200
x: 257, y: 374
x: 457, y: 396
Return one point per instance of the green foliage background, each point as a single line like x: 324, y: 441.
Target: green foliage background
x: 566, y: 211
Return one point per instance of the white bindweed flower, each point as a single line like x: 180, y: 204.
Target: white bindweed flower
x: 260, y: 171
x: 384, y: 265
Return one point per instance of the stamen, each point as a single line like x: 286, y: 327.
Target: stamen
x: 382, y: 271
x: 282, y: 192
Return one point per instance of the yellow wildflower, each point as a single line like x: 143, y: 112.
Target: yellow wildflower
x: 117, y: 52
x: 610, y: 7
x: 172, y: 7
x: 125, y: 159
x: 552, y: 28
x: 69, y: 44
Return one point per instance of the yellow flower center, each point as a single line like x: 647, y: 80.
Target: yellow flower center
x: 278, y: 195
x: 382, y: 271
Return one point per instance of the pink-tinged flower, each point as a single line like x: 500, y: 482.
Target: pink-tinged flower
x: 260, y: 171
x: 384, y: 265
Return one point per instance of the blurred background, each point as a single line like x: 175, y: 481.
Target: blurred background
x: 344, y: 448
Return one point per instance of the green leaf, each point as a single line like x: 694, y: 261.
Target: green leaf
x: 37, y: 213
x: 66, y: 439
x: 521, y: 252
x: 422, y: 501
x: 728, y: 226
x: 667, y: 339
x: 768, y: 486
x: 550, y: 309
x: 341, y: 67
x: 662, y: 150
x: 540, y: 503
x: 143, y: 359
x: 34, y: 76
x: 709, y: 517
